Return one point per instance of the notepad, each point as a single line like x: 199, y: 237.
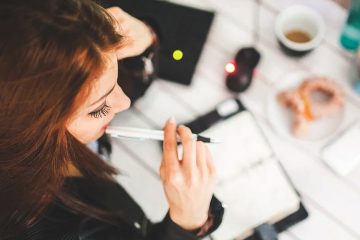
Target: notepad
x: 251, y: 181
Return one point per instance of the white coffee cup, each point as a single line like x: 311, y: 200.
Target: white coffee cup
x: 303, y: 19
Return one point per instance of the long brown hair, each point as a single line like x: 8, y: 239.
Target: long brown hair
x: 50, y: 52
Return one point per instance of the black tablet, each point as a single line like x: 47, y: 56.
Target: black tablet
x: 183, y: 31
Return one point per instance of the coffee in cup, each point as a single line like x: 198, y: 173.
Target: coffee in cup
x: 299, y: 30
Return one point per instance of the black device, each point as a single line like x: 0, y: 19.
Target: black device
x: 222, y: 111
x: 240, y: 70
x: 240, y: 78
x: 179, y: 28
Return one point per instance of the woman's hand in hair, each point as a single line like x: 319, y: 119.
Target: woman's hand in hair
x: 188, y: 183
x: 137, y: 35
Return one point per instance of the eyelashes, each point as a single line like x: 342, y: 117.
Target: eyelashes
x: 101, y: 112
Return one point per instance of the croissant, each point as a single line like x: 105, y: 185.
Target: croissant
x: 316, y: 98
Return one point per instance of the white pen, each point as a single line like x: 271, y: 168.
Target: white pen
x: 148, y: 134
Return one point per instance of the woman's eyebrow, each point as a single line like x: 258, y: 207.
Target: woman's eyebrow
x: 105, y: 95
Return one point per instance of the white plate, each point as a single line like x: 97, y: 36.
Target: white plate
x: 281, y: 118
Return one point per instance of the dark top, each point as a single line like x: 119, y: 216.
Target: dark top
x: 61, y: 223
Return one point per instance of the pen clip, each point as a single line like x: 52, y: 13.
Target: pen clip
x: 126, y: 137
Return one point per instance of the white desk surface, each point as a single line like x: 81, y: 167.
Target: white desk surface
x: 332, y: 201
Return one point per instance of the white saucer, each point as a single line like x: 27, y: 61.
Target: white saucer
x: 281, y: 118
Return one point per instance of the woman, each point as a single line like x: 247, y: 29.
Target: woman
x: 58, y: 90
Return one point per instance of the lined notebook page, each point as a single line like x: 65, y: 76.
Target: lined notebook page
x: 251, y: 182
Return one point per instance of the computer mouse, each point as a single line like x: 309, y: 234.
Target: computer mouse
x: 240, y: 71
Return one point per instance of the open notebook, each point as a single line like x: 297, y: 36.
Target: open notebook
x: 251, y: 182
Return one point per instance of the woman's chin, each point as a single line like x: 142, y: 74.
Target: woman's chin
x: 101, y: 132
x: 96, y: 137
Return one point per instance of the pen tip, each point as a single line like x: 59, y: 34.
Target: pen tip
x: 214, y: 140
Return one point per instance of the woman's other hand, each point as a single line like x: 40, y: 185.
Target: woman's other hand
x: 188, y: 183
x: 137, y: 35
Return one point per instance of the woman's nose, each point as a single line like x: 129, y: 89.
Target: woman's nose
x: 121, y: 101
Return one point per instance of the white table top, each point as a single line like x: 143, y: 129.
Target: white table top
x: 333, y: 202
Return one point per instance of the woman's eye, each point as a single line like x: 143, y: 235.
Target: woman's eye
x: 101, y: 112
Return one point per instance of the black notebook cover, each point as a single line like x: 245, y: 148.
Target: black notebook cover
x: 180, y: 28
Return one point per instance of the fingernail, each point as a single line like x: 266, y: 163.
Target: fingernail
x: 172, y: 120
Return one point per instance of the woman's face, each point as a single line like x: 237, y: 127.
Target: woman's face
x: 105, y: 100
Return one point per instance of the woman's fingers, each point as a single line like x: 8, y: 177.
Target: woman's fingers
x: 188, y: 184
x: 137, y: 36
x: 117, y: 13
x: 210, y: 163
x: 201, y: 161
x: 189, y: 148
x: 170, y: 155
